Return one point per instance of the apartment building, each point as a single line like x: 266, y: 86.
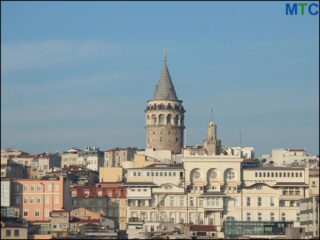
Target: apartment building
x: 36, y: 198
x: 309, y: 216
x: 115, y: 157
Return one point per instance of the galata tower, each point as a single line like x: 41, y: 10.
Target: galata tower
x: 165, y: 115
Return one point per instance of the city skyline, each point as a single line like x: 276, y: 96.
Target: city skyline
x: 67, y: 81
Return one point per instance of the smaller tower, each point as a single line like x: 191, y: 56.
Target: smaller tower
x: 212, y: 144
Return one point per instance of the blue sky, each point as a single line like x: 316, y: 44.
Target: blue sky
x: 80, y: 73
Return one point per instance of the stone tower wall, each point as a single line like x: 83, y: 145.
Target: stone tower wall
x: 164, y: 125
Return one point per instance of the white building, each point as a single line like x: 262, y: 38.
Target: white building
x: 242, y: 152
x: 289, y: 156
x: 309, y: 216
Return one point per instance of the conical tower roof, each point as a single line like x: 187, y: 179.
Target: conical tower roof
x: 165, y: 89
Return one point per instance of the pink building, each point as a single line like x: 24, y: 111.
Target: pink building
x: 36, y: 198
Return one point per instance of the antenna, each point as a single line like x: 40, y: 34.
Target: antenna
x: 212, y: 114
x: 240, y: 138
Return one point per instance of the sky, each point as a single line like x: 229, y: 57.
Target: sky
x: 80, y: 73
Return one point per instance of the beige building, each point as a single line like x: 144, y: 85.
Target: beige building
x: 115, y: 157
x: 164, y: 116
x: 314, y: 182
x: 70, y: 157
x: 110, y: 174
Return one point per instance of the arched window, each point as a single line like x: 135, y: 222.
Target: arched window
x: 212, y: 174
x: 181, y: 120
x: 169, y: 106
x: 154, y: 119
x: 229, y: 174
x: 161, y: 119
x: 169, y: 119
x: 194, y: 175
x: 176, y: 120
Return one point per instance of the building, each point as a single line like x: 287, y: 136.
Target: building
x: 108, y: 199
x: 92, y: 158
x: 211, y: 145
x: 115, y: 157
x: 243, y: 152
x: 45, y: 162
x: 6, y: 188
x: 77, y: 174
x: 14, y: 230
x: 22, y: 159
x: 36, y: 198
x: 85, y: 214
x: 314, y: 182
x: 70, y: 157
x: 289, y: 156
x: 164, y: 116
x: 309, y: 216
x: 13, y: 170
x: 110, y: 174
x: 60, y: 223
x: 8, y: 153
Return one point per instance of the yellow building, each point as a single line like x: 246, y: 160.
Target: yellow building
x: 110, y: 174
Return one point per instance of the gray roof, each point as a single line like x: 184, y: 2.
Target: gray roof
x: 165, y: 89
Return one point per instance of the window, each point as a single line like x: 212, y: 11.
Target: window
x: 248, y: 202
x: 271, y: 201
x: 260, y: 174
x: 264, y: 174
x: 181, y: 201
x: 165, y: 174
x: 25, y: 200
x: 268, y: 174
x: 230, y: 174
x: 280, y: 174
x: 191, y: 201
x: 8, y: 233
x: 134, y: 174
x: 152, y: 174
x: 25, y: 188
x: 18, y: 199
x: 38, y: 200
x: 292, y: 174
x: 157, y: 174
x: 298, y: 216
x: 37, y: 213
x: 25, y: 213
x: 148, y: 174
x: 174, y: 174
x: 32, y: 187
x: 284, y: 174
x: 259, y: 202
x: 248, y: 217
x: 171, y: 201
x: 139, y: 174
x: 259, y: 216
x: 17, y: 188
x: 297, y: 174
x: 38, y: 187
x: 169, y: 174
x: 161, y: 173
x: 32, y: 200
x: 271, y: 216
x: 283, y: 216
x: 256, y: 174
x: 16, y: 232
x: 276, y: 174
x: 272, y: 174
x: 300, y: 174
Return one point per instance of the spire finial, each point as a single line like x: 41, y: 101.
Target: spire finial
x: 164, y: 55
x: 212, y: 114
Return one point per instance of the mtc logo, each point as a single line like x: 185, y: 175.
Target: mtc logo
x: 311, y: 8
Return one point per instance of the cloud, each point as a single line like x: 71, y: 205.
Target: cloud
x: 52, y: 53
